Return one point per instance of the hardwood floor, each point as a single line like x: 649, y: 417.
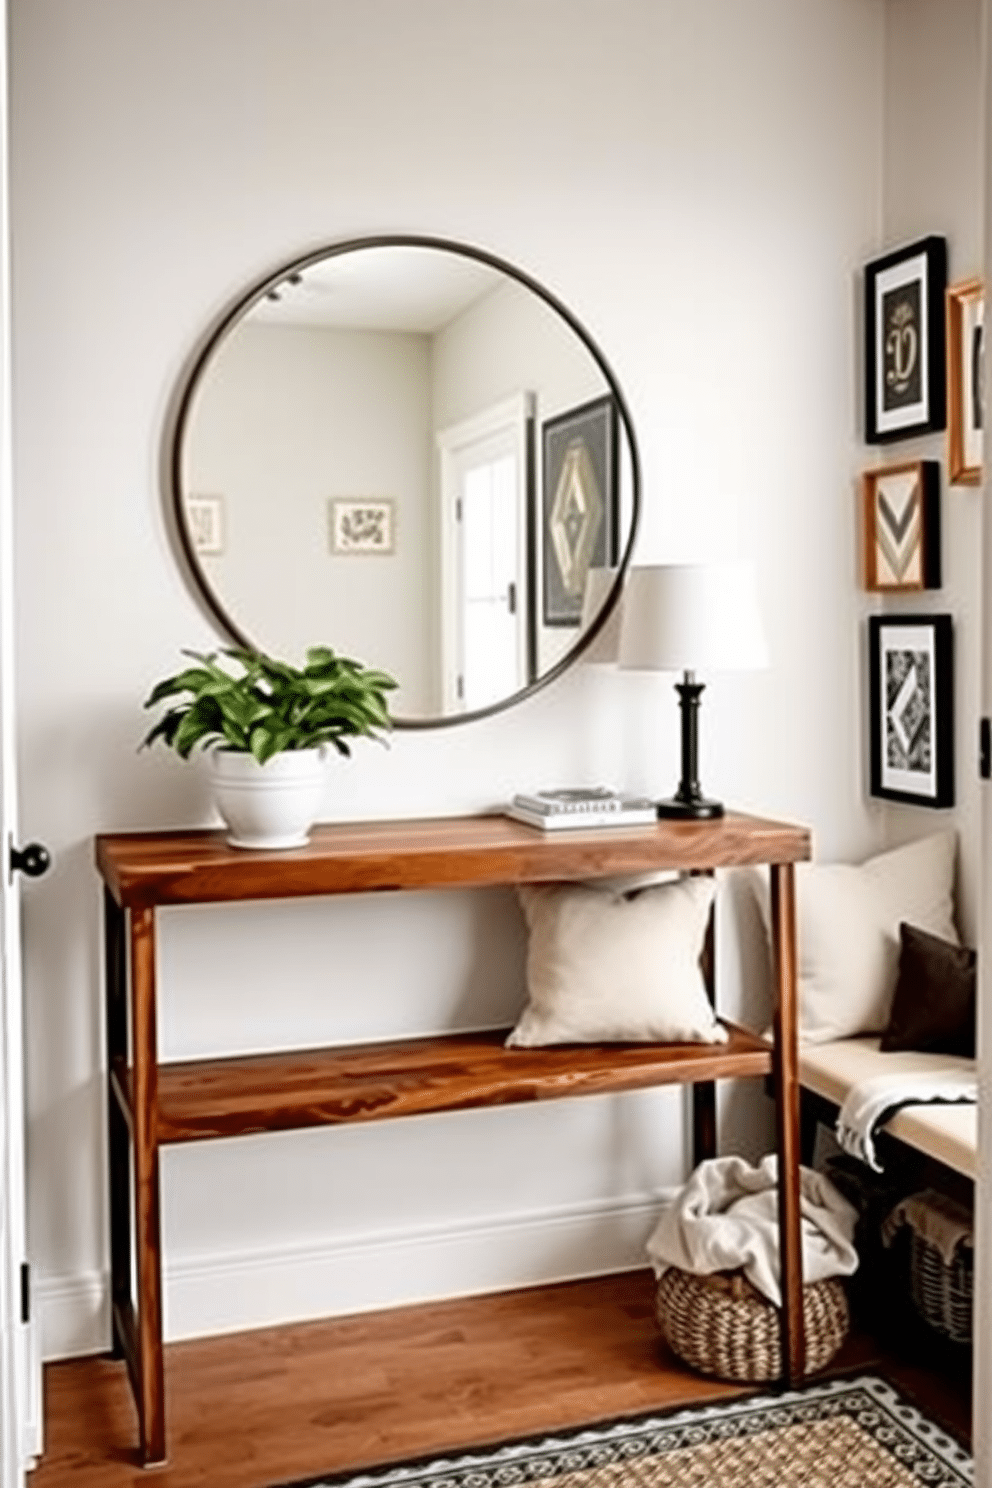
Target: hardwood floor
x: 267, y: 1407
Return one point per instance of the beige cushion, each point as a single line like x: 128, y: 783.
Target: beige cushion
x: 948, y: 1133
x: 848, y: 932
x: 611, y: 966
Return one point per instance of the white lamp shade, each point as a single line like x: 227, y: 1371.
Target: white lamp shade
x: 605, y: 647
x: 692, y: 617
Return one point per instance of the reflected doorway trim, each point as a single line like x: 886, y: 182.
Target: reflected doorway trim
x: 513, y: 419
x: 180, y: 414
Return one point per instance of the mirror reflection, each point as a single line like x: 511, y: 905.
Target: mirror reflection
x: 407, y: 451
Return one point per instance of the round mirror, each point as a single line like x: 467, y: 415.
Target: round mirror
x: 411, y: 452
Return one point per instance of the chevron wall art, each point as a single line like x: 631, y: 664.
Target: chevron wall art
x: 902, y: 527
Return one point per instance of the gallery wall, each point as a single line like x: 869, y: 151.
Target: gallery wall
x: 934, y: 183
x: 705, y: 211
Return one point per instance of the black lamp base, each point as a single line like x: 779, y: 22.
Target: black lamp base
x: 702, y: 810
x: 688, y: 802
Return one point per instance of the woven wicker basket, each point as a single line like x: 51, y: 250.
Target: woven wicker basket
x: 721, y: 1325
x: 942, y: 1293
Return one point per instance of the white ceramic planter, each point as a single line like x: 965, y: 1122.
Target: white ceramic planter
x: 271, y: 805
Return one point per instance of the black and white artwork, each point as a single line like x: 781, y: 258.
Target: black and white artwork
x: 911, y: 683
x: 904, y: 341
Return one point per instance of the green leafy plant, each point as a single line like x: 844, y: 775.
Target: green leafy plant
x: 269, y: 706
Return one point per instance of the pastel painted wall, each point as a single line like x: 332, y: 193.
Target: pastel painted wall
x: 705, y: 213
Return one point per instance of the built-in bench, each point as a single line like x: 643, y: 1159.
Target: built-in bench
x: 946, y: 1133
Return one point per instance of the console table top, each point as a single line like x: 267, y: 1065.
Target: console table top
x: 145, y: 869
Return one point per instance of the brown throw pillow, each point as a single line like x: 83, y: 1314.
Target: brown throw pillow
x: 933, y: 1006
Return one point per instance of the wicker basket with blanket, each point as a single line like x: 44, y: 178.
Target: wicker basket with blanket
x: 721, y: 1325
x: 941, y: 1259
x: 715, y: 1253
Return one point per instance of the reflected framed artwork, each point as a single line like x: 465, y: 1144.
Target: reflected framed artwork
x: 965, y: 381
x: 580, y: 515
x: 911, y: 682
x: 901, y: 509
x: 905, y: 383
x: 205, y: 515
x: 363, y: 524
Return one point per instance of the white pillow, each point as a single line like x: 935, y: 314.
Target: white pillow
x: 848, y: 932
x: 617, y: 967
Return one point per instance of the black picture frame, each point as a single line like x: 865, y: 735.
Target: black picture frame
x: 905, y: 378
x: 911, y: 686
x: 580, y: 517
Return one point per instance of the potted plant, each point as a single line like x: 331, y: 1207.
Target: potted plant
x: 265, y: 729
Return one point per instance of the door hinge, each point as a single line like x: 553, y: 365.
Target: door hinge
x: 458, y: 509
x: 25, y: 1292
x: 460, y: 688
x: 985, y: 749
x: 511, y: 598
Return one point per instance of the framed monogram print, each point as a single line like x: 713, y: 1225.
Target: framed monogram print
x: 904, y: 342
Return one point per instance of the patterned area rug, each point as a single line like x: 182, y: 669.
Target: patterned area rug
x: 844, y: 1434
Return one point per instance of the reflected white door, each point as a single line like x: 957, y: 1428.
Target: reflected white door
x: 20, y: 1367
x: 484, y: 482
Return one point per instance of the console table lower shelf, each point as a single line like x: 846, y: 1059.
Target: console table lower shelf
x: 151, y: 1104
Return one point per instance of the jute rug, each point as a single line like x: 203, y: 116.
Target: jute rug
x: 844, y: 1434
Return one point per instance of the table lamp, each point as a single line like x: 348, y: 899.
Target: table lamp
x: 684, y: 617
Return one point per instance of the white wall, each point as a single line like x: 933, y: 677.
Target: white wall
x: 705, y: 210
x: 936, y: 180
x: 933, y: 183
x: 286, y: 418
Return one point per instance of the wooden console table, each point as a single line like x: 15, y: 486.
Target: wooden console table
x: 150, y: 1104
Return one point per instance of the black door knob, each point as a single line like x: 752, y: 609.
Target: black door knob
x: 34, y: 860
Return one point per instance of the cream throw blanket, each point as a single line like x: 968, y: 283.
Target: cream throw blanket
x: 725, y: 1218
x: 868, y: 1105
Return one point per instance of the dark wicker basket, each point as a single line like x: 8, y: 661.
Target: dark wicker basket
x: 721, y: 1325
x: 942, y: 1293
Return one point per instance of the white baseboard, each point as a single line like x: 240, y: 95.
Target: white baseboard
x: 256, y: 1289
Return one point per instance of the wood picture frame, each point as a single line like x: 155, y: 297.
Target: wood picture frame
x: 965, y: 381
x: 911, y: 686
x: 905, y: 387
x: 580, y: 516
x: 901, y: 515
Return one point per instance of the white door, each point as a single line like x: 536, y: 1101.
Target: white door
x: 982, y: 1325
x: 20, y: 1366
x: 484, y: 488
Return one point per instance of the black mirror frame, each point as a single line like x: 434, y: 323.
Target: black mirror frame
x: 201, y: 361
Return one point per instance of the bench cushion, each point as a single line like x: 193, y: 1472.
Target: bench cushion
x: 848, y: 920
x: 948, y: 1133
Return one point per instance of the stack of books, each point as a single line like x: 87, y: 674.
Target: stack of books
x: 558, y: 810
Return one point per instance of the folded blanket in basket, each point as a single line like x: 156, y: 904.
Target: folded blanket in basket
x: 868, y: 1106
x: 725, y: 1218
x: 938, y: 1219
